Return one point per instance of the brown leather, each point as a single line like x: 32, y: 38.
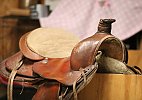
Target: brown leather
x: 53, y: 69
x: 19, y: 80
x: 40, y: 72
x: 47, y: 91
x: 58, y: 69
x: 26, y: 50
x: 25, y: 69
x: 85, y: 51
x: 83, y: 54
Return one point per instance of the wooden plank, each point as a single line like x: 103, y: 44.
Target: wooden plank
x: 6, y: 5
x: 113, y: 87
x: 8, y: 38
x: 18, y: 12
x: 135, y: 58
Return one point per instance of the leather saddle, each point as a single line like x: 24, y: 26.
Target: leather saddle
x: 59, y: 65
x: 51, y: 73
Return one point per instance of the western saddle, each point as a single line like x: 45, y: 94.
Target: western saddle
x: 59, y: 65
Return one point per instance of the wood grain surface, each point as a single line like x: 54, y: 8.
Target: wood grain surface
x: 116, y: 86
x: 135, y: 58
x: 7, y: 5
x: 113, y: 87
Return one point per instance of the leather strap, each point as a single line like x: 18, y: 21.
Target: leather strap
x: 47, y: 91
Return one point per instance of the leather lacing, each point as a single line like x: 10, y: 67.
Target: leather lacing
x: 74, y: 84
x: 88, y: 74
x: 11, y: 79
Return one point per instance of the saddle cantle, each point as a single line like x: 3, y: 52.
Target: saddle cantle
x: 59, y: 65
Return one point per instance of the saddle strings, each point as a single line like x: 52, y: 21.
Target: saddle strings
x: 74, y: 84
x: 62, y: 95
x: 11, y: 79
x: 22, y: 86
x: 85, y: 80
